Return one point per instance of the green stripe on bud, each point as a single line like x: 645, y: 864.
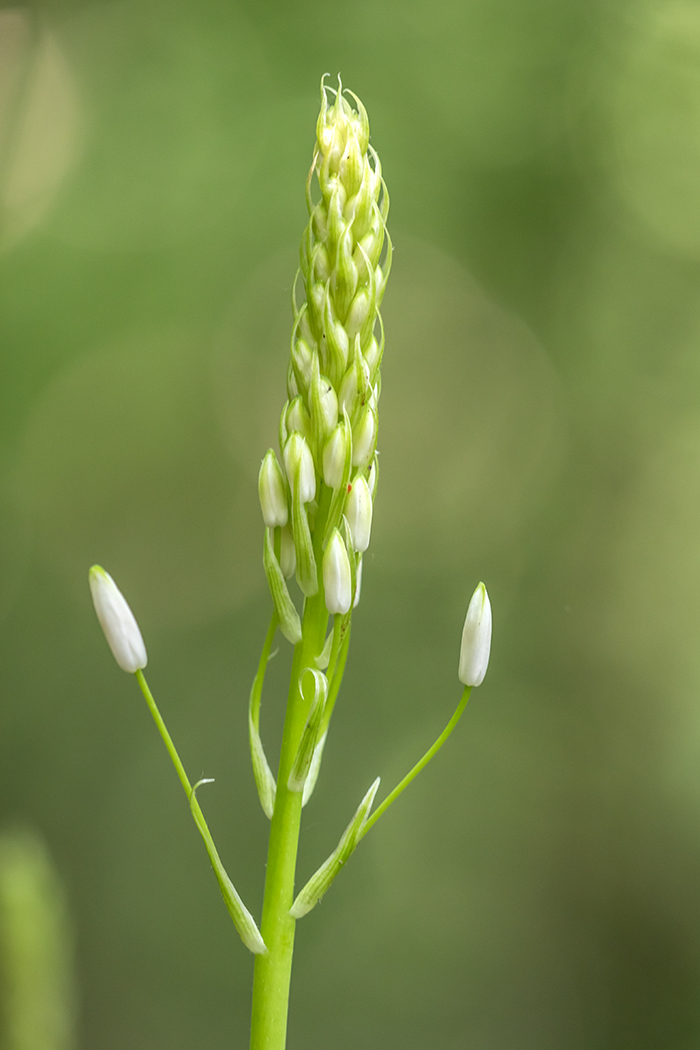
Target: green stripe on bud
x: 355, y: 385
x: 319, y: 883
x: 272, y: 491
x: 307, y: 574
x: 298, y: 419
x: 358, y: 511
x: 290, y: 624
x: 337, y: 576
x: 324, y: 407
x: 335, y: 454
x: 299, y: 464
x: 364, y: 439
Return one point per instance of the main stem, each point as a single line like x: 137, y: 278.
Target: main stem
x: 273, y: 971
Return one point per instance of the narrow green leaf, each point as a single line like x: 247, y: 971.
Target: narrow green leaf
x: 320, y: 882
x: 242, y: 919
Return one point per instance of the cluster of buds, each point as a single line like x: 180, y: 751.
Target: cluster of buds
x: 328, y: 427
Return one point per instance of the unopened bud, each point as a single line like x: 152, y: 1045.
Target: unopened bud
x: 324, y: 407
x: 364, y: 439
x: 358, y: 511
x: 302, y: 359
x: 337, y: 579
x: 117, y: 621
x: 292, y: 385
x: 298, y: 418
x: 271, y: 489
x: 298, y: 459
x: 373, y: 356
x: 476, y: 639
x: 334, y: 454
x: 355, y: 383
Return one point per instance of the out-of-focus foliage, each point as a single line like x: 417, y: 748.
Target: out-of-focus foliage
x: 539, y: 887
x: 36, y: 949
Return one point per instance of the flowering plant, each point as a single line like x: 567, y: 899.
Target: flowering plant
x: 317, y: 510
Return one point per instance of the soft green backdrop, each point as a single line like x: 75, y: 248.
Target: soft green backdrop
x: 539, y: 886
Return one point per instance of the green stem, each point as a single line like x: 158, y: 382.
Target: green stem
x: 167, y: 739
x: 273, y: 971
x: 419, y: 765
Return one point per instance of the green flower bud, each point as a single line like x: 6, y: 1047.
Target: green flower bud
x: 335, y: 512
x: 337, y: 343
x: 298, y: 462
x: 307, y: 577
x: 272, y: 492
x: 351, y: 167
x: 358, y: 511
x: 334, y: 454
x: 355, y: 384
x: 337, y: 579
x: 292, y: 385
x: 373, y: 357
x: 298, y: 418
x: 302, y: 362
x: 364, y: 439
x: 324, y: 408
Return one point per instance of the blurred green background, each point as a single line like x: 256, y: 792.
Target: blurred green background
x: 539, y: 886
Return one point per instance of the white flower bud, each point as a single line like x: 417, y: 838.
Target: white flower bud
x: 358, y: 511
x: 372, y: 356
x: 324, y: 406
x: 288, y: 554
x: 334, y: 456
x: 298, y: 458
x: 355, y: 381
x: 273, y: 497
x: 476, y: 639
x: 117, y: 621
x: 364, y: 439
x: 302, y: 361
x: 337, y: 581
x: 298, y: 418
x: 358, y: 584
